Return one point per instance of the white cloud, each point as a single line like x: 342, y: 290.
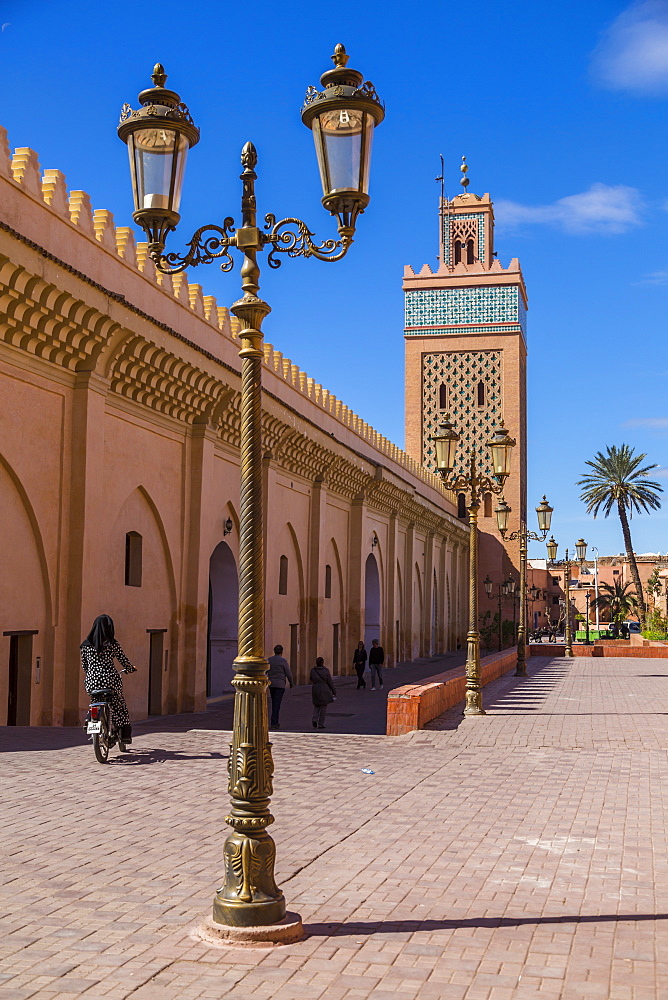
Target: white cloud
x: 655, y: 422
x: 601, y: 209
x: 660, y: 473
x: 655, y: 278
x: 633, y: 52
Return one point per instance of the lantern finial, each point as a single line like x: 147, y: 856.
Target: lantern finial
x: 340, y: 57
x: 158, y: 75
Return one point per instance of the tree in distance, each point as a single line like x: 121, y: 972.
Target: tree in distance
x: 617, y: 481
x: 616, y: 599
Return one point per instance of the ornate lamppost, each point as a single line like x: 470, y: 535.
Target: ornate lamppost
x: 475, y: 483
x: 342, y: 117
x: 502, y: 590
x: 581, y: 554
x: 544, y: 514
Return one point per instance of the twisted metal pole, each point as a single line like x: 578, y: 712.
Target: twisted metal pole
x: 521, y: 670
x: 473, y: 704
x: 249, y: 896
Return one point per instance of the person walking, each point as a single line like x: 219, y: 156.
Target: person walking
x: 279, y: 675
x: 376, y: 661
x: 359, y: 663
x: 323, y: 692
x: 98, y: 652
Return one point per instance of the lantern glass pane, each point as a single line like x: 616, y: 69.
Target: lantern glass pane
x: 343, y: 145
x: 500, y: 459
x: 157, y: 160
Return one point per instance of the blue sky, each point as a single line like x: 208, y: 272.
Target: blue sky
x: 560, y: 110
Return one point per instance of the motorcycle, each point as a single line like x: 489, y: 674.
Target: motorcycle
x: 99, y: 723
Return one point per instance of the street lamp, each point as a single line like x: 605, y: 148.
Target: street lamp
x: 473, y: 482
x: 595, y: 551
x: 544, y: 515
x: 581, y: 554
x: 159, y: 134
x: 502, y: 590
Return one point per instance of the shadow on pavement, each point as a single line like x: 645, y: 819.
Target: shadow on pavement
x: 415, y: 926
x: 135, y: 757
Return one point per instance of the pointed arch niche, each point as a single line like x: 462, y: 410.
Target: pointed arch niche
x: 144, y: 610
x: 223, y: 621
x: 371, y: 601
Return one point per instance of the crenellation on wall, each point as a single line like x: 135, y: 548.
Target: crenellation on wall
x: 125, y: 245
x: 144, y: 263
x: 54, y: 192
x: 196, y: 299
x: 180, y: 285
x: 81, y: 212
x: 211, y: 310
x: 26, y: 170
x: 5, y: 154
x: 105, y: 229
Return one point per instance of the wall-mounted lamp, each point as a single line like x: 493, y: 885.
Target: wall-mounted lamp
x: 374, y: 541
x: 227, y: 527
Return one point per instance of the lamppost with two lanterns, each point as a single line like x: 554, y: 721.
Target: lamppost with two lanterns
x: 342, y: 117
x: 544, y: 514
x: 475, y: 483
x: 581, y: 554
x: 502, y: 590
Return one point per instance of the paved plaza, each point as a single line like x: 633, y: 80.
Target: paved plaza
x: 519, y: 856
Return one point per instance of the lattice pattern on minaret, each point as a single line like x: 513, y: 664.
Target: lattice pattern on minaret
x: 461, y: 372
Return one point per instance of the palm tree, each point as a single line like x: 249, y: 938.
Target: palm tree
x: 617, y: 480
x: 616, y: 599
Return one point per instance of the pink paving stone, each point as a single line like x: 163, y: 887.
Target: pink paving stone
x: 519, y: 856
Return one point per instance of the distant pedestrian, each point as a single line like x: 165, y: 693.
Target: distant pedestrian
x: 323, y: 692
x: 279, y: 674
x: 376, y: 661
x: 625, y: 630
x: 359, y: 663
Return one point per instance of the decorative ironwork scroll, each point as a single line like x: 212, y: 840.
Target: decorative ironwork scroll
x: 293, y: 237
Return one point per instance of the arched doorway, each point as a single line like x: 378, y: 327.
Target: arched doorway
x: 371, y: 601
x: 223, y: 621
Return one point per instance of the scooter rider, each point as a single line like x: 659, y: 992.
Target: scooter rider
x: 98, y: 652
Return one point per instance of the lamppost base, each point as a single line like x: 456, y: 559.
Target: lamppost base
x: 287, y: 931
x: 266, y: 913
x: 474, y: 710
x: 521, y: 670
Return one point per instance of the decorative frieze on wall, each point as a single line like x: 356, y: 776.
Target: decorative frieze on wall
x: 44, y: 321
x: 457, y: 307
x: 454, y: 382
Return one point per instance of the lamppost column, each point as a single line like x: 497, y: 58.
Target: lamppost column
x: 249, y: 895
x: 521, y: 670
x: 568, y: 651
x: 473, y: 686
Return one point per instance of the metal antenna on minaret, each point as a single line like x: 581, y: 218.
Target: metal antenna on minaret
x: 441, y: 203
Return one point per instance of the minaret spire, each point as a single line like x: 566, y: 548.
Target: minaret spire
x: 464, y: 169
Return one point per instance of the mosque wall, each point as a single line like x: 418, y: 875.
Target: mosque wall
x: 119, y: 480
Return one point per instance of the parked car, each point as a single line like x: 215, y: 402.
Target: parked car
x: 633, y: 626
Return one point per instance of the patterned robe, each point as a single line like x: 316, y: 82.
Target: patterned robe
x: 101, y: 674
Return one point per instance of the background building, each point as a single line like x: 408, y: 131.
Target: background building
x: 119, y: 481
